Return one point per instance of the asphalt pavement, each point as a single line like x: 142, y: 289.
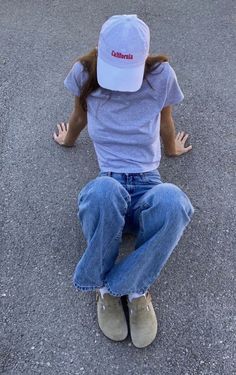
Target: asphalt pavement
x: 47, y: 327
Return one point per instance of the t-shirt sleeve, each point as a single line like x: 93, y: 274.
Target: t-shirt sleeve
x: 174, y: 93
x: 74, y: 80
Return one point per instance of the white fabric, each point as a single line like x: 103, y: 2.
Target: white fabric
x: 103, y: 291
x: 135, y: 295
x: 118, y: 79
x: 123, y: 47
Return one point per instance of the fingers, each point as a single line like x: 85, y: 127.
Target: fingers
x: 178, y: 136
x: 180, y: 140
x: 182, y: 136
x: 60, y: 134
x: 188, y: 148
x: 62, y: 127
x: 184, y: 139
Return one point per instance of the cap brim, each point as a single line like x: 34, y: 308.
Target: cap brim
x: 119, y: 79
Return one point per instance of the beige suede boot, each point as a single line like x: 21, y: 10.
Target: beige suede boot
x: 111, y: 317
x: 142, y: 320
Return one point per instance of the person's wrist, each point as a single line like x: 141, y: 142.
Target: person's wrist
x: 171, y: 151
x: 67, y: 144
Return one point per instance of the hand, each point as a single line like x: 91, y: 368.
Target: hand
x: 62, y: 132
x: 180, y: 140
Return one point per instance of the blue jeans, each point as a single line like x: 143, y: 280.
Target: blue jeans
x: 116, y: 203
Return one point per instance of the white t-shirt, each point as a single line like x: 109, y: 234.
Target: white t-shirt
x: 125, y: 126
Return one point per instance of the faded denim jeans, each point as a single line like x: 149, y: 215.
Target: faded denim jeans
x: 116, y: 203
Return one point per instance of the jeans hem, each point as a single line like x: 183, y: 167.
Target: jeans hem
x: 142, y: 291
x: 94, y: 288
x: 87, y: 288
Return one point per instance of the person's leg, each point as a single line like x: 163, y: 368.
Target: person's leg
x: 103, y: 203
x: 163, y: 213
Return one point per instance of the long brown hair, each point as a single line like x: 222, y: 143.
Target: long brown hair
x: 89, y: 62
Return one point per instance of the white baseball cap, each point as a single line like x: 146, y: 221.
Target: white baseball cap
x: 123, y: 47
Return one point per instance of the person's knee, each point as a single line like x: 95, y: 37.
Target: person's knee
x: 175, y: 199
x: 171, y: 198
x: 102, y: 190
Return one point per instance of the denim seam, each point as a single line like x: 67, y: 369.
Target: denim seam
x: 126, y: 196
x: 141, y: 208
x: 88, y: 288
x: 118, y: 236
x: 145, y: 205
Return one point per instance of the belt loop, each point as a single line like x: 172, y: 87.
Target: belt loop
x: 109, y: 174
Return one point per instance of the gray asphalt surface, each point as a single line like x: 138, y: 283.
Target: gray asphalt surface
x: 47, y: 327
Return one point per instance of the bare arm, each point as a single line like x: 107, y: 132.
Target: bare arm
x: 68, y: 133
x: 168, y: 131
x: 174, y: 145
